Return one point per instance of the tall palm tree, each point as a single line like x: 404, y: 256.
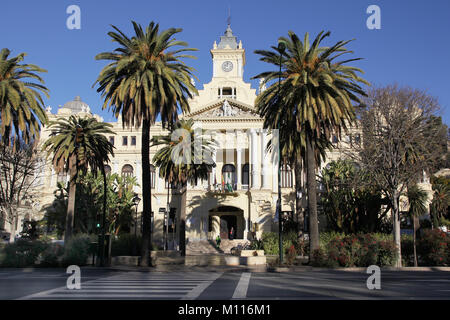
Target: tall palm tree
x: 75, y: 145
x: 417, y: 199
x: 146, y: 79
x: 318, y: 91
x: 21, y: 104
x: 292, y: 152
x: 179, y: 163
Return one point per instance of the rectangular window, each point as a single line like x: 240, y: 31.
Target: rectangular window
x: 124, y: 141
x: 227, y: 92
x: 133, y: 141
x: 111, y: 140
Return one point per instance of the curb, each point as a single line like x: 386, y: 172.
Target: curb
x: 358, y: 269
x: 166, y: 268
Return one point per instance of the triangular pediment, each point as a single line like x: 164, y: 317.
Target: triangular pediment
x: 225, y: 109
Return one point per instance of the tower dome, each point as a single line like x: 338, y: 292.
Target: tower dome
x: 77, y: 105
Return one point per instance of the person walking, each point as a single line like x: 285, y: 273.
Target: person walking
x: 218, y: 240
x: 232, y: 233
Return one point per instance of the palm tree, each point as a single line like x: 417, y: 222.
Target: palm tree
x: 441, y: 200
x: 292, y: 152
x: 145, y: 80
x: 179, y: 163
x: 77, y: 144
x: 417, y: 199
x: 317, y: 91
x: 21, y: 104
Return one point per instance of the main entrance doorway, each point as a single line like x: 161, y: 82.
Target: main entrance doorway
x: 227, y: 222
x: 228, y: 227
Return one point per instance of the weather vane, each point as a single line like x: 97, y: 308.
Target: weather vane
x: 229, y: 15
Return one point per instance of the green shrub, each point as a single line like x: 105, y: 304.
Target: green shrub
x: 387, y: 253
x: 361, y: 250
x: 126, y: 245
x: 408, y: 250
x: 270, y: 242
x: 76, y: 251
x: 319, y: 258
x: 434, y: 248
x: 256, y: 245
x: 326, y: 237
x: 22, y: 253
x: 52, y: 255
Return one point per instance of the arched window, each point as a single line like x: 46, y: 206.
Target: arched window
x: 107, y: 169
x: 152, y: 176
x: 286, y: 176
x: 229, y: 175
x: 127, y: 171
x: 245, y: 175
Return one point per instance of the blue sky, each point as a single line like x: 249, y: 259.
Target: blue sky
x: 411, y: 48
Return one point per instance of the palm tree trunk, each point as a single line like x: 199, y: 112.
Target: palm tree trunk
x: 298, y: 200
x: 71, y: 200
x: 312, y: 197
x: 147, y: 195
x: 414, y: 241
x: 396, y: 227
x: 105, y: 192
x: 182, y: 222
x: 166, y: 230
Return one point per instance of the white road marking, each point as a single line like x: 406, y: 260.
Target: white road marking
x: 241, y: 289
x: 134, y: 285
x: 195, y: 293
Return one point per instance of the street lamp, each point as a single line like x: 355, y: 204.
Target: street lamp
x: 136, y: 201
x: 281, y: 49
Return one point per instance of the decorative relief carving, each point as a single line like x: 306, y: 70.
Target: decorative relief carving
x: 226, y: 110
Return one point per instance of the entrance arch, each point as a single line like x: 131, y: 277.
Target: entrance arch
x: 223, y: 220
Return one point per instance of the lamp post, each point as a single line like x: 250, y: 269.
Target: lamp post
x: 136, y: 201
x: 281, y: 49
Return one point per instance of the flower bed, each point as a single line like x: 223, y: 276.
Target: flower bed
x: 360, y: 250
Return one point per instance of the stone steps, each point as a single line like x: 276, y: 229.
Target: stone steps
x: 209, y: 246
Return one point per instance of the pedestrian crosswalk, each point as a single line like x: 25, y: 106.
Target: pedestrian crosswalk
x: 135, y: 285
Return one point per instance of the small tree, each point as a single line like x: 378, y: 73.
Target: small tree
x: 350, y: 205
x: 399, y: 142
x: 20, y: 166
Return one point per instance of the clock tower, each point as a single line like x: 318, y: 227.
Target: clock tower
x: 228, y: 57
x: 227, y: 81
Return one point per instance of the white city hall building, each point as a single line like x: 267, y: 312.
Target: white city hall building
x: 224, y: 105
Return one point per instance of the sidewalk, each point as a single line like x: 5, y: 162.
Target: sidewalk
x: 255, y: 269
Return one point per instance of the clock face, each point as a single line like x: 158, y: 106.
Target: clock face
x: 227, y: 66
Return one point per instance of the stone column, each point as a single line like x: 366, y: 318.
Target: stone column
x: 264, y: 161
x: 138, y: 175
x: 115, y: 168
x: 255, y: 165
x: 275, y: 157
x: 213, y: 172
x: 239, y: 167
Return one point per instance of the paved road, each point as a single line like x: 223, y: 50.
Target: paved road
x: 45, y: 284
